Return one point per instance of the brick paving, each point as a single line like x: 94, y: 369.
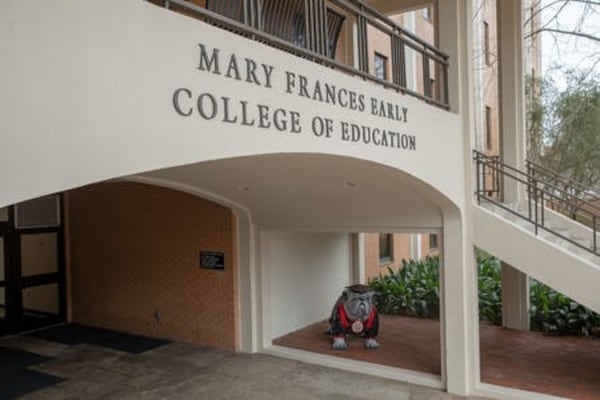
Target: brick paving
x: 560, y: 366
x: 398, y: 337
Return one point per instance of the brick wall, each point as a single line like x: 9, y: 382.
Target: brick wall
x: 401, y: 249
x: 134, y: 263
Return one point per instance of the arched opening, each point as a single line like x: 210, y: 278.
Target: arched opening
x: 238, y: 253
x: 309, y: 213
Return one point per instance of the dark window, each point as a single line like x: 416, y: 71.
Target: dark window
x: 380, y: 66
x: 299, y: 28
x: 486, y: 43
x: 386, y: 246
x: 488, y: 127
x: 288, y: 20
x: 433, y: 241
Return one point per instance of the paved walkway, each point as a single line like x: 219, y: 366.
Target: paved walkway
x: 183, y: 371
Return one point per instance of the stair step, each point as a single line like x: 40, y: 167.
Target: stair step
x: 553, y: 226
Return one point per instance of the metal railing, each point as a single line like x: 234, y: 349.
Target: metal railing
x: 311, y: 20
x: 574, y: 189
x: 541, y: 195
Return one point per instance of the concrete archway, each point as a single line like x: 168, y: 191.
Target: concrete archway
x: 316, y: 193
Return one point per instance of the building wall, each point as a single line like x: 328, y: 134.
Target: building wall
x: 307, y: 274
x: 134, y: 263
x: 490, y: 80
x: 380, y: 43
x: 401, y: 250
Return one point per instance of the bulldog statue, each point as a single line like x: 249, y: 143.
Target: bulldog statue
x: 354, y: 314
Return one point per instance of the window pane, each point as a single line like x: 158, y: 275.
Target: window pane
x: 40, y: 212
x: 385, y: 247
x: 380, y: 66
x: 39, y: 254
x: 43, y: 298
x: 433, y: 242
x: 3, y: 214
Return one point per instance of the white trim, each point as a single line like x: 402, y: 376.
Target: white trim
x: 361, y: 367
x: 506, y: 393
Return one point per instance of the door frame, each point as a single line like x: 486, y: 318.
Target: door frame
x: 15, y: 320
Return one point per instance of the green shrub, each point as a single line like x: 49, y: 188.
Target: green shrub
x: 413, y: 290
x: 489, y: 281
x: 556, y: 314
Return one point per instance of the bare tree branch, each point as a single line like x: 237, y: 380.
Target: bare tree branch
x: 565, y: 32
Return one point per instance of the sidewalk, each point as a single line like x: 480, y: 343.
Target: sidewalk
x: 183, y: 371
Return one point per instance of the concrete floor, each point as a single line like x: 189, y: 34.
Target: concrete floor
x: 183, y: 371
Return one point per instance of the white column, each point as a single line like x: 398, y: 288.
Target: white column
x: 460, y: 341
x: 512, y: 91
x: 411, y: 56
x: 358, y: 258
x: 249, y: 306
x: 415, y: 246
x: 515, y: 298
x: 515, y: 286
x: 459, y: 274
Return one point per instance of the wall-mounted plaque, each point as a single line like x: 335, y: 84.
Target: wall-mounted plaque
x: 212, y: 260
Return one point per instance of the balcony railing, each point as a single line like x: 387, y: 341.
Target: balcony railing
x: 311, y: 29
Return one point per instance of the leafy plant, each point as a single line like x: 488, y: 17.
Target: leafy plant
x: 556, y: 314
x: 490, y: 288
x: 413, y: 290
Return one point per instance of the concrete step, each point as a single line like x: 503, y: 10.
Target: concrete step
x: 553, y: 227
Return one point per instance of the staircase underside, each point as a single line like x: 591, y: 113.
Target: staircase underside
x: 545, y: 257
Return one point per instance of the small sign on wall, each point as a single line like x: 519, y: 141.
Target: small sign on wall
x: 212, y: 260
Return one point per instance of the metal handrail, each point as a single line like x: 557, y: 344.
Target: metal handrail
x: 540, y: 195
x: 591, y: 194
x: 400, y: 39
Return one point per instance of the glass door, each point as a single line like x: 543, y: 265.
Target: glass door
x: 40, y: 278
x: 39, y: 263
x: 32, y: 265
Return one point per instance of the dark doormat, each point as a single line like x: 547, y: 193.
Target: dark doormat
x: 16, y: 379
x: 73, y: 334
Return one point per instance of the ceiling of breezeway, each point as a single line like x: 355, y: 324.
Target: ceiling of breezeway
x: 313, y: 191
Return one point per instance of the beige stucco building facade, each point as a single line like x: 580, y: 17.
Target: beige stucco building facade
x: 219, y: 182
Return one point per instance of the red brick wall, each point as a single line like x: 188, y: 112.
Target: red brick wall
x: 134, y: 255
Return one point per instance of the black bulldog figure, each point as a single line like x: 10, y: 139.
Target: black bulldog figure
x: 354, y: 313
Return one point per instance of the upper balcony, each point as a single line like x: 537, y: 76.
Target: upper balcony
x: 347, y: 35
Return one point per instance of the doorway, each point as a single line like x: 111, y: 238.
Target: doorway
x: 32, y: 265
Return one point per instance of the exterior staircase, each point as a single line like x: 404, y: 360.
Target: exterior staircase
x: 535, y: 236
